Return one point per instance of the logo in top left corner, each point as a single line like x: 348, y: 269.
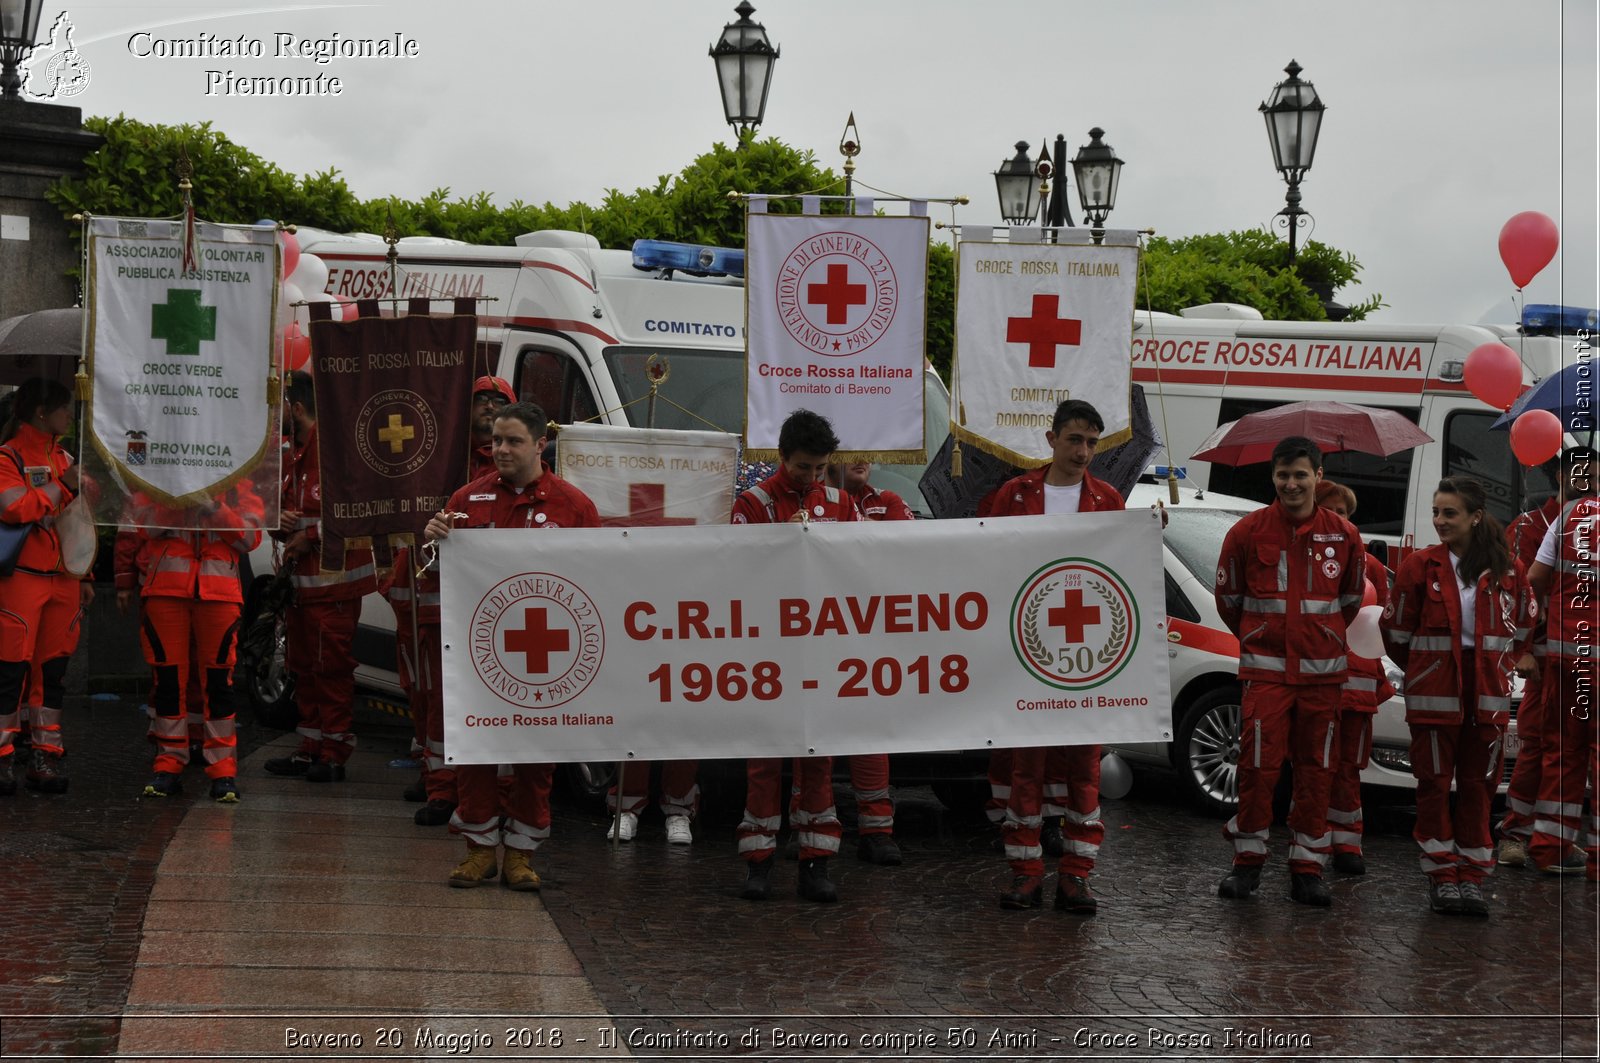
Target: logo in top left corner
x: 55, y: 69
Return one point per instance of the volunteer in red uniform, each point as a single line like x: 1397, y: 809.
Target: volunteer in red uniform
x: 1570, y: 473
x: 1063, y: 486
x: 795, y: 492
x: 1462, y: 615
x: 190, y: 617
x: 1364, y: 690
x: 40, y: 605
x: 1566, y: 567
x: 414, y: 597
x: 327, y: 606
x: 1290, y: 577
x: 521, y: 493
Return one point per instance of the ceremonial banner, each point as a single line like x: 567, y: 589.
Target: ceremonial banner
x: 624, y: 643
x: 179, y: 361
x: 836, y: 311
x: 650, y: 477
x: 394, y: 424
x: 1036, y: 324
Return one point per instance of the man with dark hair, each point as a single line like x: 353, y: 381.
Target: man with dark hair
x: 1063, y: 486
x: 521, y: 492
x: 794, y: 493
x: 1289, y: 579
x: 327, y: 605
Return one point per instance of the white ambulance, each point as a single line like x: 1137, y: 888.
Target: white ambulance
x: 1215, y: 363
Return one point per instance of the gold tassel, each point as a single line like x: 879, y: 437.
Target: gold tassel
x: 81, y: 382
x: 274, y: 387
x: 955, y: 461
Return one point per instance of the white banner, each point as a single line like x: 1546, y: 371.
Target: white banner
x: 837, y: 312
x: 1036, y: 324
x: 180, y: 359
x: 650, y: 477
x: 786, y: 640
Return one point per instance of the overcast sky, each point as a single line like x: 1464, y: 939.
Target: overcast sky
x: 1445, y: 117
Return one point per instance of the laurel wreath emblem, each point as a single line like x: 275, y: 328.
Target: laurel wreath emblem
x: 1030, y: 626
x: 1119, y: 623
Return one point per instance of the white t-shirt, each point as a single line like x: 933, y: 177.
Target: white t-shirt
x: 1062, y: 499
x: 1550, y: 545
x: 1468, y: 590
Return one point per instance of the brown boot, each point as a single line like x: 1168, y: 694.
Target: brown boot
x: 476, y: 869
x: 517, y: 874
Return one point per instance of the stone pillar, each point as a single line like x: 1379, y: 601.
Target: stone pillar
x: 39, y: 144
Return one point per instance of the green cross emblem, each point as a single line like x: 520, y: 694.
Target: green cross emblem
x: 182, y: 321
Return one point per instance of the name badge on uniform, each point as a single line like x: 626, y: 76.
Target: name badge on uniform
x: 481, y: 498
x: 1327, y: 537
x: 38, y: 475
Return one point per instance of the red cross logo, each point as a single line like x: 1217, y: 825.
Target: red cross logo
x: 538, y: 640
x: 1043, y: 332
x: 647, y: 508
x: 1072, y: 616
x: 838, y: 294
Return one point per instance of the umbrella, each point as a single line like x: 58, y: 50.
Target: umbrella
x: 44, y: 343
x: 1569, y: 394
x: 1123, y: 464
x: 1333, y: 426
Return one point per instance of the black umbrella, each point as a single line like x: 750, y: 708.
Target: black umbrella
x: 45, y: 343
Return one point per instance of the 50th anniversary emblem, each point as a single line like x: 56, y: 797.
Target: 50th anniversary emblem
x: 1074, y: 624
x: 537, y: 640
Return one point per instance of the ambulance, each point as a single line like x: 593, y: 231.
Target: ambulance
x: 1212, y: 364
x: 574, y: 328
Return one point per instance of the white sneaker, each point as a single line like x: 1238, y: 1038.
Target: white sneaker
x: 678, y: 832
x: 629, y: 824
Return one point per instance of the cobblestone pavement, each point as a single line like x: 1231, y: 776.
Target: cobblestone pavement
x: 915, y: 962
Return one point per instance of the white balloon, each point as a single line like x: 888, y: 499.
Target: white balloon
x: 1116, y: 778
x: 310, y: 273
x: 1363, y: 635
x: 291, y: 293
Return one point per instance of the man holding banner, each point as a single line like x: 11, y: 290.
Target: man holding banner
x: 1063, y: 486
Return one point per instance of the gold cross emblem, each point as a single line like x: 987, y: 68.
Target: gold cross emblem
x: 396, y: 434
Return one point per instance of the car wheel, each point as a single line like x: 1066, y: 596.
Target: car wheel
x: 961, y: 795
x: 263, y: 668
x: 590, y: 780
x: 1205, y: 751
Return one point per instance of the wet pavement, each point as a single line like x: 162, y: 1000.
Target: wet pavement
x: 140, y: 928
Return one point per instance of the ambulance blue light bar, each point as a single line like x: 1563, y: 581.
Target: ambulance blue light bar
x: 1553, y: 319
x: 695, y: 259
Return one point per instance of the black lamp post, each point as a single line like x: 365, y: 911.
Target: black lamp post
x: 1020, y: 194
x: 744, y: 59
x: 1294, y: 117
x: 19, y: 29
x: 1097, y: 170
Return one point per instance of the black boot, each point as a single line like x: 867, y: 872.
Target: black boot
x: 1050, y: 839
x: 1310, y: 889
x: 1026, y: 892
x: 814, y: 884
x: 758, y: 880
x: 1241, y: 882
x: 8, y: 776
x: 1349, y: 863
x: 45, y: 774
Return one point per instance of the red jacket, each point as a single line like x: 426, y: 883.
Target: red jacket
x: 188, y: 562
x: 397, y: 586
x: 881, y: 505
x: 1523, y: 536
x: 1022, y: 495
x: 778, y: 498
x: 31, y: 491
x: 1288, y: 591
x: 1423, y: 634
x: 1575, y: 586
x: 302, y: 492
x: 549, y: 502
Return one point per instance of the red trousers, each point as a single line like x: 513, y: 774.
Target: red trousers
x: 1299, y: 723
x: 39, y: 618
x: 1053, y: 790
x: 1571, y: 758
x: 680, y: 790
x: 321, y: 657
x: 1533, y: 730
x: 816, y: 822
x: 182, y: 636
x: 1344, y: 795
x: 1081, y: 829
x: 526, y: 822
x: 1456, y: 846
x: 427, y: 712
x: 869, y: 778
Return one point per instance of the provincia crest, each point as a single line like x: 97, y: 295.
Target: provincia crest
x: 1074, y: 624
x: 537, y: 641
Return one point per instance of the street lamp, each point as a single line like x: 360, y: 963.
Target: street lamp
x: 1097, y: 171
x: 19, y: 28
x: 1294, y: 117
x: 1014, y: 182
x: 744, y: 59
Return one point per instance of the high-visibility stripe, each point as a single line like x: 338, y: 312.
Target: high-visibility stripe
x: 1024, y: 852
x: 1557, y: 808
x: 1432, y: 644
x: 1263, y: 662
x: 1495, y: 643
x: 1490, y: 703
x: 1362, y: 684
x: 1435, y: 705
x: 755, y: 843
x: 1319, y: 606
x: 828, y: 843
x: 329, y: 579
x: 1403, y: 638
x: 1265, y: 605
x: 1322, y: 665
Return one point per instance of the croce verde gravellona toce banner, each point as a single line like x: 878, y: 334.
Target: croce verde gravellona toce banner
x: 788, y: 640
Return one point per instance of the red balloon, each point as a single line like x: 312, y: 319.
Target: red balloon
x: 1369, y: 596
x: 291, y: 251
x: 1536, y: 437
x: 296, y: 347
x: 1527, y: 244
x: 1494, y: 375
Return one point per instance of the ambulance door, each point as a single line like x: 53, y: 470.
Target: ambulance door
x: 555, y: 377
